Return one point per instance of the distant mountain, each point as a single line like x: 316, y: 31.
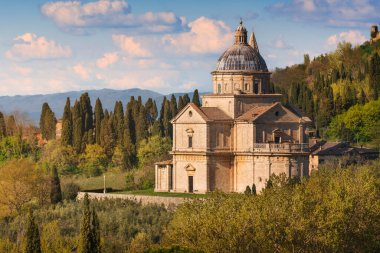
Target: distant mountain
x: 30, y: 105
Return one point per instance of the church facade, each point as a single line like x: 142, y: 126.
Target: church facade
x: 240, y: 135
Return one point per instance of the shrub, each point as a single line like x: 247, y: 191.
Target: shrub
x: 70, y: 191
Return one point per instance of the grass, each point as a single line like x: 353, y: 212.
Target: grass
x: 114, y: 180
x: 151, y: 192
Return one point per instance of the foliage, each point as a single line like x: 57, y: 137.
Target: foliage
x: 67, y: 125
x: 196, y: 99
x: 13, y: 147
x: 336, y: 210
x: 89, y: 240
x: 55, y: 192
x: 153, y: 149
x: 55, y: 155
x: 70, y: 191
x: 93, y: 161
x: 22, y: 185
x: 357, y: 123
x: 331, y: 83
x: 33, y: 244
x: 47, y: 122
x: 120, y: 221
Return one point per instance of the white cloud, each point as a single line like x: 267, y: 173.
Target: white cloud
x: 281, y: 44
x: 29, y: 46
x: 348, y: 13
x: 308, y: 5
x: 130, y: 46
x: 22, y: 70
x: 205, y: 36
x: 352, y: 36
x: 106, y: 60
x: 81, y: 71
x: 75, y: 15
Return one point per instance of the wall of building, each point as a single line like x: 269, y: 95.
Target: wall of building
x: 198, y: 169
x: 221, y: 173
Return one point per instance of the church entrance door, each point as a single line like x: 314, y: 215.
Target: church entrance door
x: 191, y: 189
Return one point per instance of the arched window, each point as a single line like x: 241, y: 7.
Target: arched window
x: 246, y: 87
x: 219, y: 88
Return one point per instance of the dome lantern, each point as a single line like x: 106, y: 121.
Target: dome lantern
x: 240, y: 34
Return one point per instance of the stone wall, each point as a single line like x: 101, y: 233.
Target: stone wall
x: 145, y: 200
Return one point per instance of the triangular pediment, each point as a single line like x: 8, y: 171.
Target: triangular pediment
x: 278, y: 113
x: 190, y: 114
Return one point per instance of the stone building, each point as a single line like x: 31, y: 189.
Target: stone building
x: 240, y: 135
x: 338, y: 153
x: 375, y: 34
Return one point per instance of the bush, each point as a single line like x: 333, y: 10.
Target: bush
x: 70, y: 191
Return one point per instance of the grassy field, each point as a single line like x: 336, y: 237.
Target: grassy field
x: 114, y: 180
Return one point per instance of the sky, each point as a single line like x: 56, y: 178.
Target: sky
x: 161, y: 45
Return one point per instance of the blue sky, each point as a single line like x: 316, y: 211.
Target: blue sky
x: 166, y: 46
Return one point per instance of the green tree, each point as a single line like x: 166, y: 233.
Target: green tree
x: 248, y: 190
x: 77, y: 128
x: 93, y: 160
x: 180, y: 103
x: 89, y: 241
x: 99, y: 115
x: 33, y: 244
x: 11, y: 125
x: 118, y: 122
x: 47, y: 122
x: 173, y: 105
x: 3, y: 129
x: 55, y: 192
x: 153, y: 149
x: 67, y: 125
x: 196, y: 99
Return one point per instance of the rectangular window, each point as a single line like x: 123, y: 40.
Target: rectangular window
x: 190, y: 141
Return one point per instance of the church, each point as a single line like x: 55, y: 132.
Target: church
x: 240, y: 135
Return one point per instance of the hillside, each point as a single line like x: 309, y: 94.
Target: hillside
x: 30, y: 105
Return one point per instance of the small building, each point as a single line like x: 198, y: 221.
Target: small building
x: 339, y: 153
x: 58, y: 129
x: 375, y: 34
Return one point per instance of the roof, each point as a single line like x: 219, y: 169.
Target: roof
x: 167, y: 162
x: 338, y: 149
x: 241, y: 57
x: 255, y: 112
x: 214, y: 113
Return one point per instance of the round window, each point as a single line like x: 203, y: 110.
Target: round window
x: 190, y: 113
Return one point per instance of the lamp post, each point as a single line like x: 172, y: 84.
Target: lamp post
x: 104, y: 184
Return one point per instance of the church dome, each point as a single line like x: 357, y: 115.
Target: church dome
x: 242, y: 56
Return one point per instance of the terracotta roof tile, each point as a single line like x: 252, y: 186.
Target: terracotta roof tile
x: 214, y: 113
x: 255, y: 112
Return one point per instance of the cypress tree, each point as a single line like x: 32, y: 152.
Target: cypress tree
x: 47, y: 122
x: 118, y: 122
x: 55, y: 192
x: 77, y: 127
x: 254, y: 189
x: 141, y: 127
x: 168, y: 128
x: 161, y: 119
x: 247, y: 190
x: 186, y: 99
x: 89, y: 241
x: 67, y: 125
x: 3, y: 129
x: 86, y: 110
x: 33, y: 244
x: 107, y: 138
x: 173, y: 105
x: 180, y: 103
x: 99, y: 115
x: 196, y: 99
